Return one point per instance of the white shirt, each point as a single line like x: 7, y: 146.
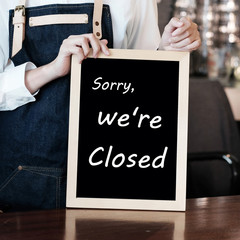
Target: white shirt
x: 135, y: 26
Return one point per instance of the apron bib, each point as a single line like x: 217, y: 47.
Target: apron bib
x: 34, y: 137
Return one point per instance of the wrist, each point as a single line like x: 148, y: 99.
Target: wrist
x: 37, y: 78
x: 59, y: 67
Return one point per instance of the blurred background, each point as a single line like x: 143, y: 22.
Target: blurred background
x: 219, y: 26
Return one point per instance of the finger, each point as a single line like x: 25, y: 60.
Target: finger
x: 95, y: 44
x: 78, y: 51
x: 173, y: 24
x: 81, y: 41
x: 104, y: 41
x: 180, y: 37
x: 190, y: 47
x: 194, y: 45
x: 71, y: 43
x: 184, y: 41
x: 85, y: 46
x: 187, y: 24
x: 104, y: 48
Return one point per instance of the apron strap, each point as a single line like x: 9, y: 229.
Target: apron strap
x: 97, y: 19
x: 19, y: 21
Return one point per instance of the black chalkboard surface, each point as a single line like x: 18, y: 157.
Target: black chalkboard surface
x: 128, y: 128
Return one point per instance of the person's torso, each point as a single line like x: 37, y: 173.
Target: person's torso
x: 34, y: 137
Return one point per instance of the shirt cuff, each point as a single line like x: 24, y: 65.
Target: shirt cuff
x: 13, y: 92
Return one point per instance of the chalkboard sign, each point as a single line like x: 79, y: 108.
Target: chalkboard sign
x: 128, y: 131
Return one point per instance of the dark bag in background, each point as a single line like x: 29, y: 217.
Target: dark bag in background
x: 213, y: 142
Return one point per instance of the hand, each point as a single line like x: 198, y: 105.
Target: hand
x: 80, y: 46
x: 181, y: 35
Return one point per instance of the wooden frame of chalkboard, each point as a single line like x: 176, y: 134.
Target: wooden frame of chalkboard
x: 128, y: 131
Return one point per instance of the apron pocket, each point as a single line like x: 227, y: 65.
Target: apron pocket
x: 29, y: 188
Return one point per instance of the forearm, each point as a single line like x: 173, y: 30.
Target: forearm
x: 37, y: 78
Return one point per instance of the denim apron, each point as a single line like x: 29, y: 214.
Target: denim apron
x: 34, y: 137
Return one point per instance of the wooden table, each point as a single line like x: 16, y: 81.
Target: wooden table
x: 205, y: 218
